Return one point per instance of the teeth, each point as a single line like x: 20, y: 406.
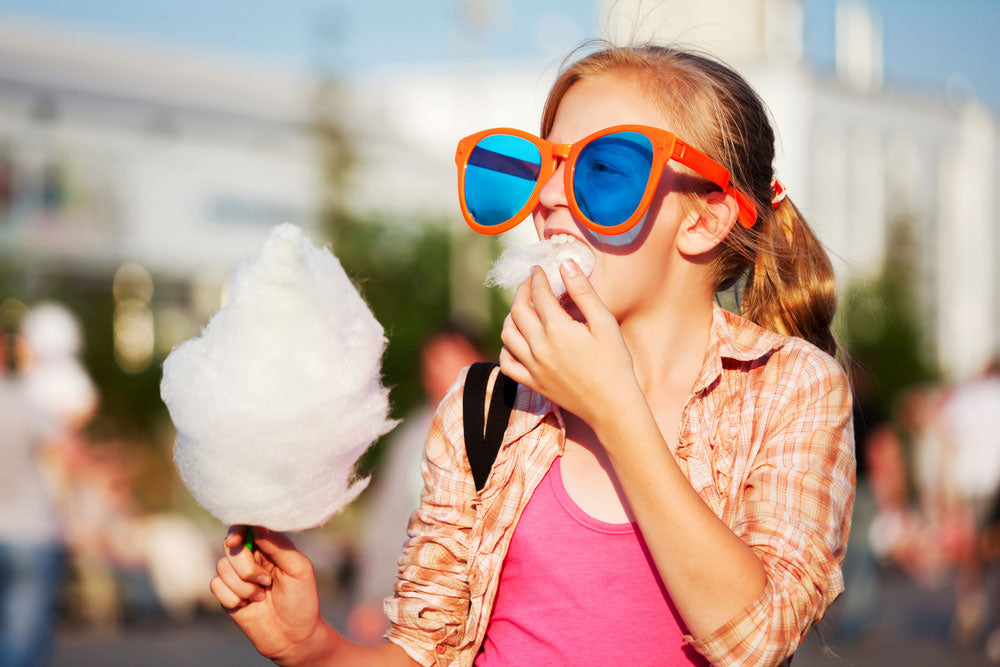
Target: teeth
x: 562, y: 238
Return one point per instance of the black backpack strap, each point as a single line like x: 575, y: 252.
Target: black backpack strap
x: 482, y: 442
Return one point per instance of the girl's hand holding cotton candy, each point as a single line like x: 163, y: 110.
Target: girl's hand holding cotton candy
x: 584, y: 367
x: 281, y: 394
x: 271, y: 595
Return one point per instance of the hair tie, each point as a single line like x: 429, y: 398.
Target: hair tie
x: 777, y: 192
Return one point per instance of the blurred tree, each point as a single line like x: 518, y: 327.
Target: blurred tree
x: 400, y: 266
x: 880, y: 323
x: 401, y: 270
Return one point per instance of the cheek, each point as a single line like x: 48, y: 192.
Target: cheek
x: 611, y: 279
x: 538, y: 217
x: 617, y: 240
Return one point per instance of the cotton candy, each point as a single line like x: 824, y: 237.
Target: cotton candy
x: 281, y: 394
x: 514, y: 265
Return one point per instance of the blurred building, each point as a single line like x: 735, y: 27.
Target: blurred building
x: 120, y: 152
x: 117, y: 151
x: 117, y: 154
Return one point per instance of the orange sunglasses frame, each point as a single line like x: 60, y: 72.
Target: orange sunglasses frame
x: 666, y: 147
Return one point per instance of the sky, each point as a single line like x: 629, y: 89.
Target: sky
x: 348, y: 34
x: 926, y: 42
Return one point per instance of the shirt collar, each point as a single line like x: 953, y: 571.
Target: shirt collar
x: 731, y: 337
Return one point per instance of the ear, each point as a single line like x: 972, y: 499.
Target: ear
x: 701, y: 233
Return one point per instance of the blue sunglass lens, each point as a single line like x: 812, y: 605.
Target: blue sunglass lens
x: 500, y: 176
x: 611, y: 176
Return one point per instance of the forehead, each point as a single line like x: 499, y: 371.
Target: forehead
x: 594, y: 103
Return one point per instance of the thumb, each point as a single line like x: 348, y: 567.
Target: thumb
x: 581, y: 291
x: 281, y: 551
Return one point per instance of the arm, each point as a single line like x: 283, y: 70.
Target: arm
x: 749, y: 591
x: 431, y: 603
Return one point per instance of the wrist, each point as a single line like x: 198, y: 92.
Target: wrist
x: 317, y: 650
x: 622, y: 412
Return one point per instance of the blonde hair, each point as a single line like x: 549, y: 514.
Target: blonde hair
x: 788, y: 279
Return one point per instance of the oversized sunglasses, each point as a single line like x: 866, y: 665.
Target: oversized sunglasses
x: 610, y: 176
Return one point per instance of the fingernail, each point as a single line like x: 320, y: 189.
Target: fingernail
x: 535, y: 269
x: 569, y: 266
x: 258, y: 596
x: 264, y: 580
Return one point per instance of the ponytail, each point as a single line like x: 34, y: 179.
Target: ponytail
x: 790, y: 287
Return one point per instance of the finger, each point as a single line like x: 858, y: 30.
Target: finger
x: 226, y: 597
x: 246, y: 590
x: 523, y: 313
x: 282, y: 552
x: 582, y: 292
x: 514, y: 341
x: 242, y: 559
x: 514, y: 369
x: 546, y: 304
x: 235, y: 537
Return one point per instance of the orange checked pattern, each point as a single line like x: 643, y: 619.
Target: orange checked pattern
x: 766, y: 440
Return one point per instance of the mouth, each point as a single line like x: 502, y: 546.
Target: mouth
x: 561, y: 236
x: 567, y: 246
x: 514, y: 266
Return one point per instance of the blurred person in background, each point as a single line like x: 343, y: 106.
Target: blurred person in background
x: 178, y: 558
x: 49, y: 366
x: 927, y: 547
x: 104, y: 534
x: 858, y: 606
x: 973, y: 442
x: 918, y: 413
x: 120, y: 561
x: 907, y: 464
x: 894, y: 528
x: 51, y: 397
x: 398, y: 479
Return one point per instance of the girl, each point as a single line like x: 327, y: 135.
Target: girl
x: 675, y: 483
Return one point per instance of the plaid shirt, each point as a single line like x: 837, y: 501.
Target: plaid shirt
x: 765, y: 439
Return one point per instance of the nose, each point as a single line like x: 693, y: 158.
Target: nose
x: 553, y: 193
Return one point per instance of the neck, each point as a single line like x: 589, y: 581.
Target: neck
x: 668, y: 342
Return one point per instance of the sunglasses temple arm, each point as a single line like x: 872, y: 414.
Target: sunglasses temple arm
x: 715, y: 172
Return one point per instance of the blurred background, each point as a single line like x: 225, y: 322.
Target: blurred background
x: 146, y: 148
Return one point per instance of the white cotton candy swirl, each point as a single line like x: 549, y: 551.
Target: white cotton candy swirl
x: 514, y: 265
x: 281, y: 394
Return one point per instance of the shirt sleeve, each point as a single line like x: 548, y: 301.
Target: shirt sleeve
x: 794, y: 512
x: 430, y: 606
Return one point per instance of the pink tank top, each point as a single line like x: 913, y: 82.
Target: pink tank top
x: 578, y: 591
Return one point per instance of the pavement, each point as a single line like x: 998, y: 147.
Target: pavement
x: 911, y: 628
